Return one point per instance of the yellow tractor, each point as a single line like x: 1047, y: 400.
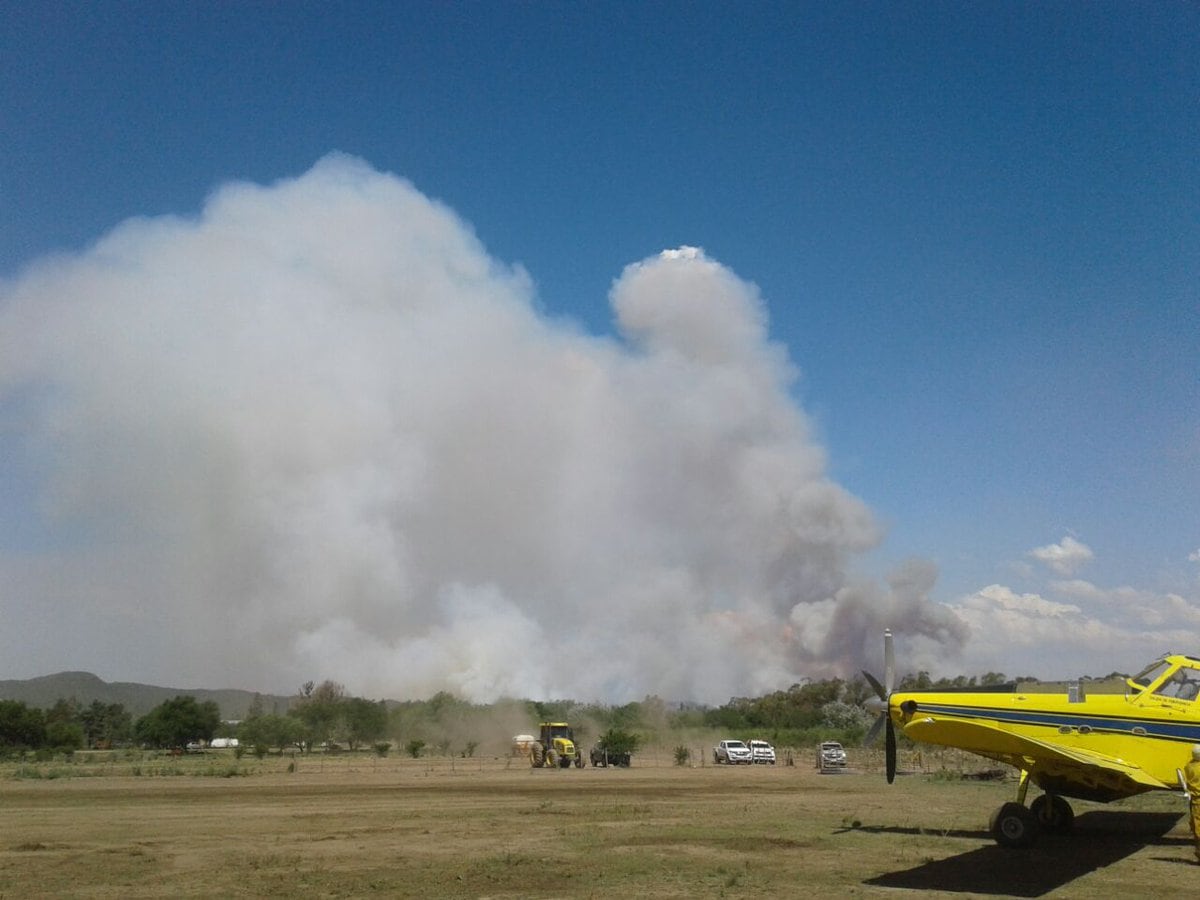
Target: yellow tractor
x: 555, y: 747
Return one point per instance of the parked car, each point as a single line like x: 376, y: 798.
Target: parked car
x: 762, y: 752
x: 732, y: 753
x: 831, y: 755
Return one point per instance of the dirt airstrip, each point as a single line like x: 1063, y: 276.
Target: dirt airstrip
x: 358, y: 826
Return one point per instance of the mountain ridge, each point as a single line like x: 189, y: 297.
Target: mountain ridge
x: 44, y: 690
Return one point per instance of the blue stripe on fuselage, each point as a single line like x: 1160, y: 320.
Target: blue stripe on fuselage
x: 1188, y: 732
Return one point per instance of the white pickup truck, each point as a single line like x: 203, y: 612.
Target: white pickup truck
x: 831, y: 755
x: 762, y: 752
x: 732, y: 753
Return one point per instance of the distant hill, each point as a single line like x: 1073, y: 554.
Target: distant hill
x: 139, y: 699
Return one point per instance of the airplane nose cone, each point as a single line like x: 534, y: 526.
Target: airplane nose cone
x: 875, y: 705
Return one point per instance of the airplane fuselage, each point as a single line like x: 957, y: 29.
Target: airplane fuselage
x: 1099, y: 747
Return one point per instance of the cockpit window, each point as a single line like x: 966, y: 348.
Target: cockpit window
x: 1150, y: 674
x: 1183, y: 685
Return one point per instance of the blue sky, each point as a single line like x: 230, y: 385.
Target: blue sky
x: 974, y: 228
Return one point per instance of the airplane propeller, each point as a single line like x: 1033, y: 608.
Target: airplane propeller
x: 879, y: 705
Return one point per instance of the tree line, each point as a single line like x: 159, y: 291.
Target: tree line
x: 319, y: 714
x: 67, y: 725
x: 324, y: 716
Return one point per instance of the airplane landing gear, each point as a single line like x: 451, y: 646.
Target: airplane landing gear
x: 1013, y: 825
x: 1053, y: 813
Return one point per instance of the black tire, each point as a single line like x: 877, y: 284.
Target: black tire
x: 1013, y: 825
x: 551, y: 759
x: 1054, y: 814
x: 537, y: 757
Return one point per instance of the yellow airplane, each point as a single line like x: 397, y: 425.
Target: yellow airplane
x: 1103, y: 747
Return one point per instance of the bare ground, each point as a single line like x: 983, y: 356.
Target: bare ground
x: 356, y: 826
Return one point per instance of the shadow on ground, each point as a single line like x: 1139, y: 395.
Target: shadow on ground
x: 1099, y: 839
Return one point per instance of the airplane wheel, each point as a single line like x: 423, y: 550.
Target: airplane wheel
x: 1014, y: 826
x: 1054, y: 814
x: 1064, y: 816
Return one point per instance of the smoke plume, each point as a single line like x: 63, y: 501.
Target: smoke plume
x: 317, y: 431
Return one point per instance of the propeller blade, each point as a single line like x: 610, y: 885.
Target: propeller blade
x: 890, y: 750
x: 875, y: 685
x: 873, y: 734
x: 884, y: 693
x: 889, y: 663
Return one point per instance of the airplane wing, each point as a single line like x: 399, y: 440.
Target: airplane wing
x: 1071, y: 771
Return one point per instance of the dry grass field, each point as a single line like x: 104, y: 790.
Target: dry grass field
x: 209, y: 826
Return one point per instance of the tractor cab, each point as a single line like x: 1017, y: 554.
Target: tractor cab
x: 556, y: 747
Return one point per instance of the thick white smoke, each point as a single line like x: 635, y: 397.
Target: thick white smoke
x: 318, y: 432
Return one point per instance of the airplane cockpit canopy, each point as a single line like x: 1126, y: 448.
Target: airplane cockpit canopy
x: 1149, y: 675
x: 1183, y: 684
x: 1172, y: 676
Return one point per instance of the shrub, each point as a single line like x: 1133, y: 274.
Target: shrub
x: 618, y: 742
x: 682, y: 755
